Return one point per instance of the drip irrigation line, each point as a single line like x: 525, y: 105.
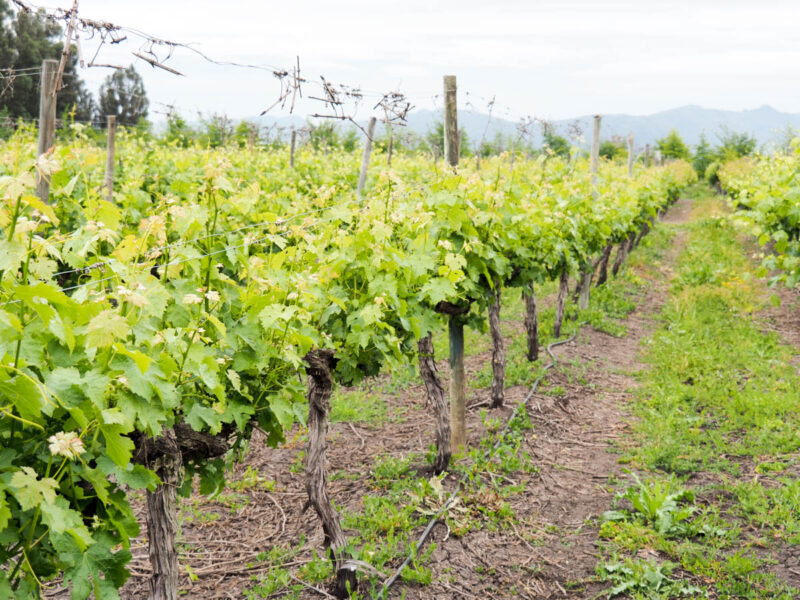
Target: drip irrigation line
x: 455, y: 493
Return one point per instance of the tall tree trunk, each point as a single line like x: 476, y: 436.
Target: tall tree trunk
x: 438, y: 401
x: 162, y: 522
x: 602, y: 268
x: 319, y: 365
x: 561, y: 300
x: 531, y: 322
x: 498, y: 350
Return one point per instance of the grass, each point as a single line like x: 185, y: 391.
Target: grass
x: 360, y: 405
x: 719, y: 399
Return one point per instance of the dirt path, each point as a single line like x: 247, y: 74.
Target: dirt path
x: 579, y: 418
x: 553, y: 555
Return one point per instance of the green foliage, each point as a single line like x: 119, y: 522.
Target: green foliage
x: 217, y: 130
x: 646, y: 581
x: 659, y: 504
x: 613, y: 149
x: 327, y: 135
x: 245, y: 130
x: 435, y: 141
x: 178, y: 131
x: 703, y: 156
x: 711, y: 174
x: 122, y: 94
x: 733, y: 145
x: 672, y: 146
x: 556, y: 144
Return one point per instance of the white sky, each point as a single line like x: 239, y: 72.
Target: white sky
x: 544, y: 58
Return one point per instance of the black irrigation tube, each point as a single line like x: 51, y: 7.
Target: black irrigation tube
x: 435, y: 519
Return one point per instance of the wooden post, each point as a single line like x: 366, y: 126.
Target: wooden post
x: 630, y: 155
x: 595, y: 157
x: 450, y: 121
x: 362, y: 176
x: 561, y: 301
x: 389, y: 148
x: 458, y: 395
x: 587, y: 269
x: 251, y: 138
x: 47, y: 119
x: 111, y: 134
x: 62, y: 64
x: 291, y: 149
x: 658, y: 158
x: 647, y: 156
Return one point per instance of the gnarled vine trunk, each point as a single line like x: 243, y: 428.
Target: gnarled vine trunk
x: 585, y: 285
x: 319, y: 368
x: 631, y: 242
x: 622, y: 253
x: 498, y: 351
x: 531, y: 322
x: 165, y: 455
x: 602, y: 267
x: 437, y: 400
x: 561, y: 300
x: 162, y: 517
x: 643, y: 232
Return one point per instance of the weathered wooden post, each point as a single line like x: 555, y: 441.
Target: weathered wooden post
x: 647, y: 156
x: 595, y: 156
x: 587, y: 269
x: 362, y: 176
x: 630, y: 155
x: 458, y: 433
x: 291, y: 148
x: 47, y: 119
x: 111, y: 132
x: 561, y: 300
x: 390, y: 142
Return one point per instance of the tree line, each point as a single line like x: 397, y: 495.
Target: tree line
x: 28, y: 38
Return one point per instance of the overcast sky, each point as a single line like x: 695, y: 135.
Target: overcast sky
x: 545, y: 59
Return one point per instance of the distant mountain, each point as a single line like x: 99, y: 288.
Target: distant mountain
x: 765, y: 123
x: 768, y: 125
